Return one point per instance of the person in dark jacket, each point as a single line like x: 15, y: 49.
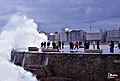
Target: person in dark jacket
x: 80, y: 44
x: 119, y: 45
x: 111, y: 47
x: 42, y: 44
x: 59, y: 44
x: 76, y: 45
x: 48, y: 44
x: 62, y: 44
x: 53, y: 44
x: 98, y: 45
x: 70, y: 45
x: 85, y: 45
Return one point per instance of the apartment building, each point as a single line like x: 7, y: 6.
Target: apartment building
x: 113, y: 35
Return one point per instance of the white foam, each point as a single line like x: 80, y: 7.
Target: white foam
x: 20, y: 33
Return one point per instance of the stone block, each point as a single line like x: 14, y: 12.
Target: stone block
x: 93, y: 51
x: 33, y: 49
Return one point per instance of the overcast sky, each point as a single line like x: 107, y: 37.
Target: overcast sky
x: 53, y: 15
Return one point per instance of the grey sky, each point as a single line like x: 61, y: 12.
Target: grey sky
x: 52, y: 15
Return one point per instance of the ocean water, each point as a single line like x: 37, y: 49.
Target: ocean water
x: 19, y: 33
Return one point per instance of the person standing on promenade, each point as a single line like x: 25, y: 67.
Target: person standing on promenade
x: 98, y: 45
x: 48, y: 44
x: 53, y: 44
x: 88, y: 44
x: 62, y: 44
x: 85, y: 45
x: 76, y: 45
x: 59, y: 44
x: 71, y: 45
x: 111, y: 47
x: 42, y: 44
x: 119, y: 45
x: 80, y: 44
x: 94, y: 44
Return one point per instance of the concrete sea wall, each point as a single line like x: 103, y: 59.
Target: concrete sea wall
x: 70, y: 66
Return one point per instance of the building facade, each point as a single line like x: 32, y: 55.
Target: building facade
x: 57, y: 36
x: 113, y: 35
x: 77, y: 35
x: 51, y: 36
x: 93, y: 36
x: 64, y: 35
x: 103, y: 35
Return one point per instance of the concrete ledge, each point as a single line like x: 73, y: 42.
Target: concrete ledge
x: 50, y: 50
x: 93, y: 51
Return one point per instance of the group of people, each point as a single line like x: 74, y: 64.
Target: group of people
x: 43, y: 44
x: 112, y: 46
x: 58, y: 45
x: 76, y: 45
x: 55, y: 45
x: 86, y: 45
x: 94, y: 43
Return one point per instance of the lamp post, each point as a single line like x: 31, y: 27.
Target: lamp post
x: 67, y: 32
x: 90, y: 29
x: 60, y: 39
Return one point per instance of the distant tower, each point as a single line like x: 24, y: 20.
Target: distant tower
x: 90, y: 29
